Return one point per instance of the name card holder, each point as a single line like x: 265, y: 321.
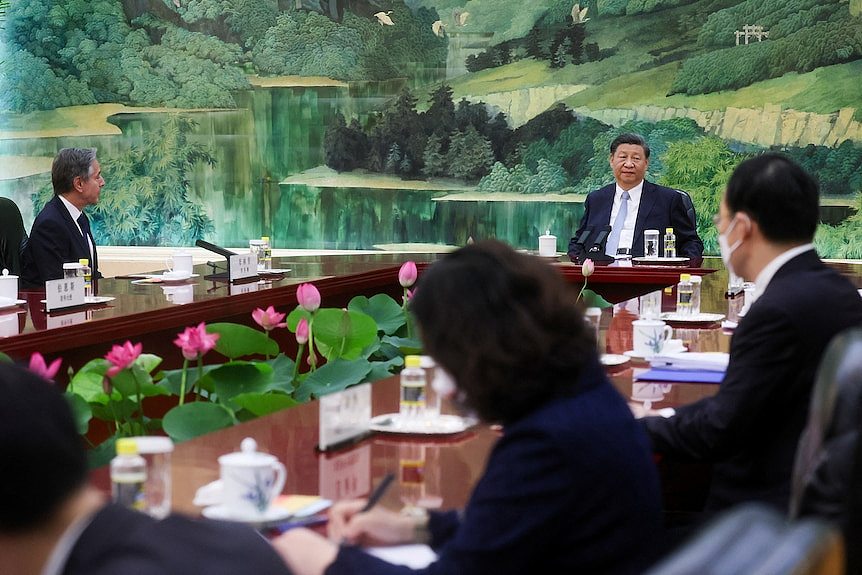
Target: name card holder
x: 345, y: 416
x: 240, y: 288
x: 242, y: 266
x: 67, y: 319
x: 63, y: 293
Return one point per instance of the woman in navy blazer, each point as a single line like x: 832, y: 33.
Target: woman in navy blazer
x: 570, y: 487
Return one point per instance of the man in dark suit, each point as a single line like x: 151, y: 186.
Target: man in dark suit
x: 52, y: 523
x: 61, y: 232
x: 750, y: 429
x: 632, y: 205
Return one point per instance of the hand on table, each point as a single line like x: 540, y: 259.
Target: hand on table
x: 377, y: 526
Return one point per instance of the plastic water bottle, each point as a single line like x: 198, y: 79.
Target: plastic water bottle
x: 87, y: 273
x: 669, y: 243
x: 128, y: 476
x: 695, y: 294
x: 684, y: 292
x: 266, y: 253
x: 412, y: 405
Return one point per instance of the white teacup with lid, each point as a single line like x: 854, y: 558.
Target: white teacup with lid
x: 251, y: 480
x: 8, y: 287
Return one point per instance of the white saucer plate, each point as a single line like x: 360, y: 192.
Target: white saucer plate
x: 440, y: 425
x: 173, y: 278
x: 273, y: 271
x: 696, y: 318
x: 272, y: 515
x: 612, y: 359
x: 11, y: 303
x: 93, y: 299
x: 634, y: 355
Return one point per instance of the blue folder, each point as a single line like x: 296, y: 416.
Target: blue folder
x: 681, y: 375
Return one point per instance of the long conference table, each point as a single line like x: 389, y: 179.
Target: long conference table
x: 433, y: 471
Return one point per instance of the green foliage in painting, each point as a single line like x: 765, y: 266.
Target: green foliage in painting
x: 149, y: 200
x: 838, y: 170
x: 81, y: 52
x: 844, y: 240
x: 803, y: 35
x: 701, y: 167
x: 470, y: 154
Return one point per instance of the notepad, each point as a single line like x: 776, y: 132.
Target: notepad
x: 414, y: 556
x: 302, y: 505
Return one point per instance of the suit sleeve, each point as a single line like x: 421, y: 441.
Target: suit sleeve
x: 46, y: 249
x: 762, y: 362
x: 688, y: 242
x: 574, y: 249
x: 512, y: 509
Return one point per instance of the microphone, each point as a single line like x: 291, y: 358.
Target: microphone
x: 215, y: 249
x: 582, y: 239
x: 223, y: 274
x: 597, y: 252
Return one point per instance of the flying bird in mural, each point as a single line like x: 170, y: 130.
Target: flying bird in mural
x: 438, y: 28
x: 460, y: 17
x: 384, y: 19
x: 579, y: 16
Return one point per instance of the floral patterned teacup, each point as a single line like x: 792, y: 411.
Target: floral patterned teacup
x: 650, y: 336
x: 251, y: 481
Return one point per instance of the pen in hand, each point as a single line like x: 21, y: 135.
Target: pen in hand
x: 378, y: 492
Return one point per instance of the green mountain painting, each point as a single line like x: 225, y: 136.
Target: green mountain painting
x: 382, y: 123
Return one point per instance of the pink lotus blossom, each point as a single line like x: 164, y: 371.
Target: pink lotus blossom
x: 195, y: 341
x: 268, y: 319
x: 408, y: 295
x: 588, y: 268
x: 302, y: 332
x: 308, y: 297
x: 122, y: 356
x: 407, y: 274
x: 40, y: 368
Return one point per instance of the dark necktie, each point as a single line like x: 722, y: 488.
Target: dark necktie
x: 84, y: 222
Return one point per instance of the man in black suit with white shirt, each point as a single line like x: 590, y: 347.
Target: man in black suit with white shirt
x: 61, y: 232
x: 750, y: 429
x: 632, y: 204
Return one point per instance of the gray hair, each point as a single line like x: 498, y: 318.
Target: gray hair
x: 69, y: 164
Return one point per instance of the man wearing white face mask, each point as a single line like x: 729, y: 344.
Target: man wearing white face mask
x: 750, y: 429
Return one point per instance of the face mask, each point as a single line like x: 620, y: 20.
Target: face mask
x: 727, y: 250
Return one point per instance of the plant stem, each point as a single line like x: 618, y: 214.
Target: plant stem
x: 296, y: 363
x: 140, y: 402
x: 183, y: 381
x: 197, y: 386
x: 581, y: 293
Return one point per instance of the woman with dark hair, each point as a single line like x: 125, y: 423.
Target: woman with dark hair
x: 570, y: 487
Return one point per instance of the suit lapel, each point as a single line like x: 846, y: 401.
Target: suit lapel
x: 606, y: 206
x: 74, y: 232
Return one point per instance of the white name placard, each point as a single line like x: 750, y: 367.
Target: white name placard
x: 242, y: 266
x: 344, y: 415
x: 63, y: 293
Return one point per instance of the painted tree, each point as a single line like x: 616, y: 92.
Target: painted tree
x: 434, y: 157
x: 470, y: 154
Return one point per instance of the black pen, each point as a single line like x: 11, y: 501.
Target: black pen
x: 378, y: 492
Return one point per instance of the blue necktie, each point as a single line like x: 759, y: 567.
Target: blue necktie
x: 617, y: 227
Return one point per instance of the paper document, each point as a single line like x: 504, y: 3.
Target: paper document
x: 413, y: 556
x: 691, y: 361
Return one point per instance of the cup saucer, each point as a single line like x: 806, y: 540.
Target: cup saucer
x: 272, y: 515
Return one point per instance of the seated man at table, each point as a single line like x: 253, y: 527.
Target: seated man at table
x: 61, y: 232
x: 570, y: 487
x: 632, y: 204
x: 52, y: 523
x: 750, y: 429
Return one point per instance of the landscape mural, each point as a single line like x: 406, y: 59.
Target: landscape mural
x: 383, y: 124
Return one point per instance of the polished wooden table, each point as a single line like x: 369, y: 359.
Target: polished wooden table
x: 154, y: 313
x: 440, y: 471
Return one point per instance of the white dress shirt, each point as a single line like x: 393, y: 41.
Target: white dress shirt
x: 627, y: 234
